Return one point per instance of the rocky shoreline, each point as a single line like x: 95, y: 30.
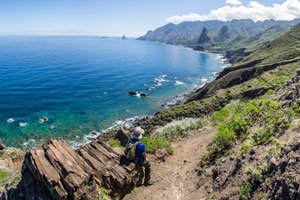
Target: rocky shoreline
x: 33, y: 162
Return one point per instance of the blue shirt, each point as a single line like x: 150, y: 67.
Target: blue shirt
x: 139, y: 150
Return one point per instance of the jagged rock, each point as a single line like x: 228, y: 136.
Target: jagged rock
x: 2, y: 146
x: 123, y: 136
x: 283, y: 180
x: 290, y: 92
x: 204, y: 38
x: 235, y: 56
x: 55, y: 171
x: 224, y: 32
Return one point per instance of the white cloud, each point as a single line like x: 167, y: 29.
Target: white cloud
x: 234, y: 2
x: 288, y: 10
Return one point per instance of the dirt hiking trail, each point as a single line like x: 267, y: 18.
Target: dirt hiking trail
x: 176, y: 178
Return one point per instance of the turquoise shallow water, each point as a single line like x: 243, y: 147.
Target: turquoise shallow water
x: 81, y: 83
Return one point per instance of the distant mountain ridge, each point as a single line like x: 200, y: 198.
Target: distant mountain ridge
x: 217, y: 35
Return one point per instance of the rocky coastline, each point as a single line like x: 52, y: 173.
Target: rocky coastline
x: 56, y: 171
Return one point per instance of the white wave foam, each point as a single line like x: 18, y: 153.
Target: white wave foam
x: 179, y: 82
x: 214, y: 74
x: 10, y: 120
x: 30, y: 143
x: 23, y: 124
x: 158, y: 80
x: 127, y: 123
x: 204, y: 79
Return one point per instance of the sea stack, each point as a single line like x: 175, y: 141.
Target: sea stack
x: 204, y: 38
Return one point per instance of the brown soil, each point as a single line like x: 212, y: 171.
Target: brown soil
x: 176, y: 178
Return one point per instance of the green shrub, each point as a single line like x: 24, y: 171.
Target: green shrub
x: 275, y: 149
x: 157, y: 142
x: 296, y: 107
x: 262, y: 195
x: 258, y: 174
x: 245, y: 191
x: 225, y: 136
x: 245, y: 147
x: 103, y: 194
x: 258, y: 121
x: 221, y: 115
x: 4, y: 175
x: 255, y: 174
x: 115, y: 143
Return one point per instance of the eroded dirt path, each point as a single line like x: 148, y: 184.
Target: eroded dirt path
x: 176, y: 178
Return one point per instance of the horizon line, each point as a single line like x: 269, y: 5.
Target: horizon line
x: 34, y: 35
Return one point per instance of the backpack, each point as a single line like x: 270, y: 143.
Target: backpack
x: 130, y: 151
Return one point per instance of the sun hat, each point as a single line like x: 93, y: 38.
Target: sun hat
x: 138, y: 133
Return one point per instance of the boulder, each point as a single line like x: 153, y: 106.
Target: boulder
x: 161, y: 154
x: 123, y: 136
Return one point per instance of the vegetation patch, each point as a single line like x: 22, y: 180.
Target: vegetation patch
x: 181, y: 128
x: 4, y: 175
x: 157, y: 142
x: 258, y: 174
x: 194, y: 109
x: 245, y: 191
x: 103, y: 194
x: 115, y: 143
x: 255, y: 122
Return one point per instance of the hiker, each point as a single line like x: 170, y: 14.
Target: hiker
x: 136, y: 151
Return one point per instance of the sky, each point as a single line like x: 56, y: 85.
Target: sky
x: 132, y: 17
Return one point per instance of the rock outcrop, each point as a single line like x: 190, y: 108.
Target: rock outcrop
x: 204, y: 38
x: 290, y: 92
x: 235, y: 56
x: 123, y: 136
x: 55, y: 171
x: 224, y: 32
x: 2, y: 146
x: 236, y: 75
x: 283, y: 178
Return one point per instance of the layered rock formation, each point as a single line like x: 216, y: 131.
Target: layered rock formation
x: 55, y: 171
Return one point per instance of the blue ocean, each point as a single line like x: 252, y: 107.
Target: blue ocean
x: 81, y: 84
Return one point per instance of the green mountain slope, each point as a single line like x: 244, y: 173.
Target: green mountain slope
x: 223, y: 36
x: 270, y: 66
x: 255, y: 107
x: 285, y: 47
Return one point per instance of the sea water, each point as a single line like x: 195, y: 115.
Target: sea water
x: 81, y: 84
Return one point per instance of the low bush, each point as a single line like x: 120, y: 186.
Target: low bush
x: 258, y: 121
x: 103, y: 194
x: 157, y: 142
x: 245, y: 191
x: 221, y: 115
x: 4, y: 175
x: 276, y: 148
x: 257, y: 174
x: 296, y: 107
x: 181, y: 128
x: 115, y: 143
x: 246, y: 146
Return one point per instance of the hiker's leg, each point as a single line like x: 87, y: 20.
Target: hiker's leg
x: 141, y: 174
x: 147, y: 166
